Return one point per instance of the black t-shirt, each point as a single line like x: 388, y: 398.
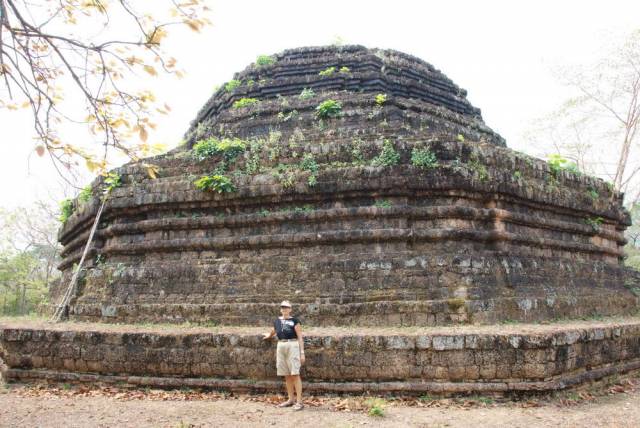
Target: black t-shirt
x: 285, y: 328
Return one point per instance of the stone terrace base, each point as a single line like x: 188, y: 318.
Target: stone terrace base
x: 503, y: 359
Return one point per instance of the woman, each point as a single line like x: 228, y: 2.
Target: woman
x: 290, y: 353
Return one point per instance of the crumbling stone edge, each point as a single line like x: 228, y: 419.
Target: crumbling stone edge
x: 405, y: 387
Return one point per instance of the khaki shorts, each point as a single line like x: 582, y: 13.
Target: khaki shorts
x: 288, y: 358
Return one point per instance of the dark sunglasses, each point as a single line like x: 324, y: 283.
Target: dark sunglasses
x: 285, y: 307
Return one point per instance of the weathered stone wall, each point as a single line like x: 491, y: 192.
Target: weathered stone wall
x: 485, y: 235
x: 549, y: 358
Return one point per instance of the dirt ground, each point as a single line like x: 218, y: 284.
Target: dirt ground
x: 616, y: 404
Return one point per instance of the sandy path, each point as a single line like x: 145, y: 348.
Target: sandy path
x: 24, y: 406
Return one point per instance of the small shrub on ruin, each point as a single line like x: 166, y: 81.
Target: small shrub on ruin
x: 228, y: 148
x: 231, y: 85
x: 388, y: 155
x: 215, y: 183
x: 306, y: 94
x: 327, y: 71
x: 558, y: 163
x: 381, y: 99
x: 111, y: 181
x: 245, y: 102
x: 328, y: 108
x: 85, y: 194
x: 423, y: 158
x: 309, y: 163
x: 344, y: 69
x: 66, y: 210
x: 263, y: 60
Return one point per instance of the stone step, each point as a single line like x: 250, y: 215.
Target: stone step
x: 512, y: 358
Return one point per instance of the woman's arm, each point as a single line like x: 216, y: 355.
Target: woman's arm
x: 269, y: 335
x: 298, y: 329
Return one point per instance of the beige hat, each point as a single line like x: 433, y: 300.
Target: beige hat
x: 285, y: 303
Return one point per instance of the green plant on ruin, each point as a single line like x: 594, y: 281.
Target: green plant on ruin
x: 423, y: 158
x: 85, y: 194
x: 66, y: 210
x: 263, y: 60
x: 479, y: 169
x: 232, y: 85
x: 285, y: 117
x: 517, y: 175
x: 215, y: 183
x: 328, y: 108
x: 112, y: 180
x: 306, y: 94
x: 285, y: 175
x: 356, y: 152
x: 309, y: 163
x: 228, y: 148
x: 592, y: 193
x: 460, y: 138
x: 252, y: 163
x: 383, y: 203
x: 327, y: 71
x: 594, y: 222
x: 344, y: 69
x: 381, y: 99
x: 99, y: 260
x: 388, y: 156
x: 245, y: 102
x: 558, y: 163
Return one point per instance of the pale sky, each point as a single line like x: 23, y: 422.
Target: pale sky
x: 502, y: 52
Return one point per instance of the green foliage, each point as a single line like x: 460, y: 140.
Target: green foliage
x: 592, y: 193
x: 309, y: 163
x: 594, y: 222
x: 85, y: 194
x: 344, y: 69
x: 426, y: 398
x: 306, y: 94
x: 381, y: 99
x: 23, y: 282
x: 111, y: 181
x: 388, y: 155
x: 327, y: 71
x: 383, y: 203
x: 228, y: 148
x: 328, y: 108
x: 423, y: 158
x: 356, y: 152
x: 285, y: 175
x: 66, y: 209
x: 252, y: 162
x: 478, y: 167
x: 460, y: 138
x: 215, y: 183
x: 263, y: 60
x: 245, y: 102
x: 231, y: 85
x: 376, y: 407
x: 517, y: 175
x: 285, y: 117
x: 558, y: 163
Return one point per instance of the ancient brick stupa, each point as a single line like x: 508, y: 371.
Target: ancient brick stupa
x: 364, y: 186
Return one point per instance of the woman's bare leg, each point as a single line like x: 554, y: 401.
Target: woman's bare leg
x: 297, y: 381
x: 290, y: 386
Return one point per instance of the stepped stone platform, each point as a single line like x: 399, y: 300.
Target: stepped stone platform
x: 362, y: 185
x: 523, y: 358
